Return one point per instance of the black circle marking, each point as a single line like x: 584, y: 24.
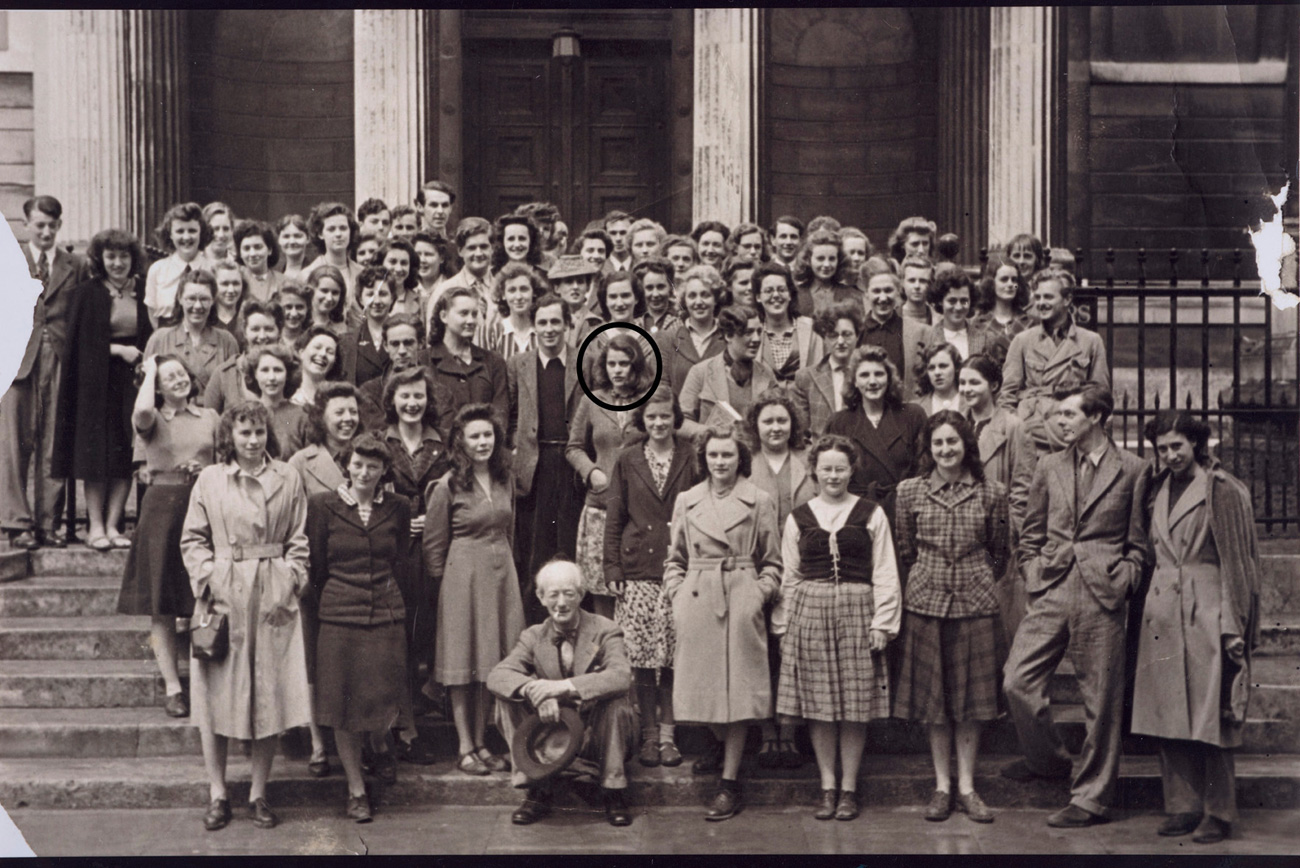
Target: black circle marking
x: 659, y: 367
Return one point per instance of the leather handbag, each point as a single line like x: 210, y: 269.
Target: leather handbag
x: 209, y: 631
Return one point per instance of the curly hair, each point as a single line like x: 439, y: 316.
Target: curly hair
x: 162, y: 359
x: 643, y: 225
x: 893, y: 397
x: 594, y: 234
x: 318, y: 274
x: 250, y: 228
x: 802, y: 265
x: 336, y: 370
x: 325, y: 210
x: 499, y: 256
x: 733, y: 241
x: 776, y: 396
x: 988, y: 297
x: 907, y: 226
x: 770, y: 269
x: 462, y: 466
x: 398, y: 379
x: 671, y: 241
x: 923, y: 364
x: 372, y: 206
x: 1060, y: 275
x: 245, y: 412
x: 605, y: 281
x: 203, y: 277
x: 368, y: 445
x: 412, y: 260
x: 652, y: 265
x: 827, y: 319
x: 1181, y: 422
x: 734, y: 433
x: 734, y: 319
x: 834, y: 443
x: 660, y: 396
x: 184, y: 212
x: 448, y: 257
x: 945, y: 282
x: 269, y: 309
x: 987, y: 367
x: 469, y: 227
x: 712, y: 280
x: 316, y: 409
x: 970, y: 459
x: 276, y: 351
x: 624, y: 343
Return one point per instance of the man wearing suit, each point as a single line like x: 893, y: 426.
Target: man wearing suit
x: 27, y: 411
x: 1082, y: 550
x: 901, y: 338
x: 544, y: 395
x: 574, y: 658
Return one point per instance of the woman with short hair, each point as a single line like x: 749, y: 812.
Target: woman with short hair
x: 702, y: 297
x: 183, y: 233
x: 293, y: 236
x: 257, y: 252
x: 822, y: 274
x: 790, y: 342
x: 195, y: 339
x: 333, y: 227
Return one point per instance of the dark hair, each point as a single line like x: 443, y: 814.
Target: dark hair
x: 316, y: 409
x: 510, y: 271
x: 401, y: 211
x: 789, y: 220
x: 462, y: 466
x: 292, y: 220
x: 371, y: 206
x: 1094, y: 398
x: 987, y: 367
x: 652, y: 264
x: 271, y: 309
x: 733, y: 240
x: 246, y: 411
x: 440, y: 186
x: 437, y: 328
x: 249, y: 228
x: 1181, y: 422
x: 710, y: 226
x: 625, y: 343
x: 928, y: 353
x: 965, y: 430
x: 448, y: 257
x: 405, y: 319
x: 945, y: 282
x: 893, y: 397
x: 541, y: 212
x: 319, y: 273
x: 734, y: 318
x: 547, y: 300
x: 712, y: 280
x: 499, y: 256
x: 738, y: 262
x: 374, y: 276
x: 988, y: 296
x: 288, y: 359
x: 726, y: 432
x: 325, y: 210
x: 367, y: 445
x: 207, y: 279
x: 661, y: 395
x: 114, y: 239
x: 162, y: 359
x: 834, y: 443
x: 770, y: 269
x: 776, y: 396
x: 184, y: 211
x: 1035, y: 245
x: 597, y: 234
x: 412, y: 260
x: 608, y: 279
x: 44, y: 204
x: 469, y: 227
x: 877, y: 265
x: 906, y: 227
x: 396, y: 379
x: 827, y: 318
x: 336, y: 370
x: 802, y: 265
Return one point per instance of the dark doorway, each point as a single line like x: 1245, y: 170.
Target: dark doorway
x: 589, y: 133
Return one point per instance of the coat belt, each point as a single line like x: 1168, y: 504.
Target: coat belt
x: 252, y: 551
x: 709, y: 571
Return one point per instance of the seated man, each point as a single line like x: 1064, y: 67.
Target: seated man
x: 572, y: 658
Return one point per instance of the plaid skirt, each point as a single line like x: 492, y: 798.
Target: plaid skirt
x: 951, y: 669
x: 647, y: 621
x: 828, y: 671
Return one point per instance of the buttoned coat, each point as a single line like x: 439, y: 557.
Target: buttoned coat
x: 318, y: 469
x: 913, y: 337
x: 637, y: 516
x: 363, y: 359
x: 521, y: 427
x: 1107, y: 541
x: 483, y: 381
x: 707, y: 386
x: 596, y: 435
x: 49, y: 317
x: 249, y: 695
x: 360, y: 573
x: 723, y: 570
x: 413, y: 475
x: 1036, y: 366
x: 600, y: 666
x: 814, y: 396
x: 888, y: 450
x: 680, y: 356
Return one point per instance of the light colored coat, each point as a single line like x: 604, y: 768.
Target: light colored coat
x: 706, y: 387
x: 250, y: 695
x: 1036, y: 366
x: 723, y: 569
x: 318, y: 469
x: 596, y: 436
x: 814, y: 396
x: 802, y: 488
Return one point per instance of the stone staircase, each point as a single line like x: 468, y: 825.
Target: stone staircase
x: 81, y: 723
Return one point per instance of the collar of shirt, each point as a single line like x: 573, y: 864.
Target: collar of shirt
x: 697, y: 334
x: 36, y: 255
x: 872, y: 324
x: 1094, y: 456
x: 170, y: 414
x: 1065, y: 331
x: 938, y: 483
x: 236, y: 471
x: 428, y: 435
x: 345, y: 494
x: 785, y: 334
x: 562, y: 356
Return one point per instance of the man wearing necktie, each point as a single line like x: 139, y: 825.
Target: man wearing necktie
x: 27, y: 409
x: 1082, y: 551
x: 573, y: 658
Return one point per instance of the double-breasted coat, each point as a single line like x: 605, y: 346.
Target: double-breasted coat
x: 245, y: 539
x: 638, y: 517
x: 1036, y: 366
x: 723, y: 570
x: 888, y: 450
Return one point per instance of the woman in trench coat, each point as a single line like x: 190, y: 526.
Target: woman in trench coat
x: 1199, y: 623
x: 244, y: 544
x: 723, y: 570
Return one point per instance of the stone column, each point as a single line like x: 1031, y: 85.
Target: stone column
x: 157, y: 115
x: 964, y: 127
x: 1022, y: 101
x: 727, y: 88
x: 391, y: 87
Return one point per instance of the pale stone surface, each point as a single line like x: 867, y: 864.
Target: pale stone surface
x: 391, y: 88
x: 726, y: 87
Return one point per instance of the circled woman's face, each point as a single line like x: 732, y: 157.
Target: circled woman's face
x: 618, y: 366
x: 270, y: 375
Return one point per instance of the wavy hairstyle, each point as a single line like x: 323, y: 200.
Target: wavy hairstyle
x: 827, y: 318
x: 965, y: 430
x: 183, y: 211
x: 448, y: 256
x: 923, y: 363
x: 410, y: 376
x: 510, y: 271
x: 834, y: 443
x: 336, y: 370
x: 988, y: 368
x: 534, y: 255
x: 368, y: 445
x: 1181, y: 422
x: 736, y: 434
x: 907, y: 226
x: 292, y: 371
x: 606, y: 280
x: 319, y: 273
x: 250, y: 228
x: 776, y: 396
x: 244, y: 412
x: 733, y: 241
x: 325, y: 210
x: 462, y: 466
x: 802, y: 265
x: 945, y: 281
x: 712, y: 280
x: 893, y: 398
x: 316, y: 409
x: 988, y: 297
x: 624, y: 343
x: 412, y: 260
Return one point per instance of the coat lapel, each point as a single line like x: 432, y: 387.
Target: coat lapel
x: 528, y: 386
x: 323, y: 468
x: 1192, y: 496
x: 60, y: 269
x: 824, y: 381
x: 641, y: 467
x: 587, y: 645
x: 1107, y: 472
x: 993, y: 438
x: 704, y: 517
x: 273, y: 479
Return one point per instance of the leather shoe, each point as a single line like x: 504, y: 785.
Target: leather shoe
x: 1179, y: 824
x: 263, y: 816
x: 319, y: 767
x: 53, y: 539
x: 649, y: 755
x: 669, y: 755
x: 940, y: 807
x: 973, y: 806
x: 1212, y: 830
x: 848, y: 808
x: 417, y: 751
x: 826, y: 805
x: 616, y: 809
x: 711, y: 760
x: 1020, y: 771
x: 359, y: 808
x: 1074, y: 817
x: 24, y: 540
x: 218, y: 815
x: 536, y: 806
x: 726, y: 804
x: 177, y: 705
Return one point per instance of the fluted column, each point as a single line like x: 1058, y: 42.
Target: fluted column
x: 157, y: 113
x: 1022, y: 101
x: 964, y: 126
x: 391, y: 82
x: 727, y: 88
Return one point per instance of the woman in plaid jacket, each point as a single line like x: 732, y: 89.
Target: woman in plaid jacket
x: 953, y: 543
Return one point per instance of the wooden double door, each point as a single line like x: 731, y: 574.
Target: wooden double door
x: 588, y: 133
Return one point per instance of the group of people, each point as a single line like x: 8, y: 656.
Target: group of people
x: 841, y: 486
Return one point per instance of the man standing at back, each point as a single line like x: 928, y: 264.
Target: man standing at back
x: 1082, y: 552
x: 27, y: 410
x: 435, y: 200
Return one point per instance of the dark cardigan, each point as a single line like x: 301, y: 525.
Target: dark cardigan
x: 637, y: 517
x: 359, y: 573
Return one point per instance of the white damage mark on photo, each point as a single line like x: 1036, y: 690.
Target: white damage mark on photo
x: 12, y: 842
x: 21, y: 290
x: 1275, y: 256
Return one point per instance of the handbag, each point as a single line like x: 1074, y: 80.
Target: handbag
x: 209, y: 631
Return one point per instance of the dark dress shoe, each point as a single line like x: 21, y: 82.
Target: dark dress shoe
x: 669, y: 755
x: 826, y: 805
x: 848, y: 808
x: 218, y: 815
x: 649, y: 755
x: 1179, y: 824
x: 616, y: 809
x: 53, y: 540
x: 386, y: 767
x: 24, y: 540
x: 1212, y: 830
x: 263, y: 816
x: 418, y: 751
x: 973, y: 806
x: 536, y: 806
x: 177, y: 705
x: 359, y: 808
x: 319, y: 768
x: 1020, y: 771
x: 1074, y: 817
x: 940, y: 807
x: 711, y: 760
x: 726, y: 804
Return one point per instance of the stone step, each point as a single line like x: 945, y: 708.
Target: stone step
x: 885, y: 781
x: 15, y: 564
x: 83, y: 683
x: 1280, y: 581
x: 91, y: 637
x: 60, y: 596
x: 1279, y: 635
x: 78, y: 560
